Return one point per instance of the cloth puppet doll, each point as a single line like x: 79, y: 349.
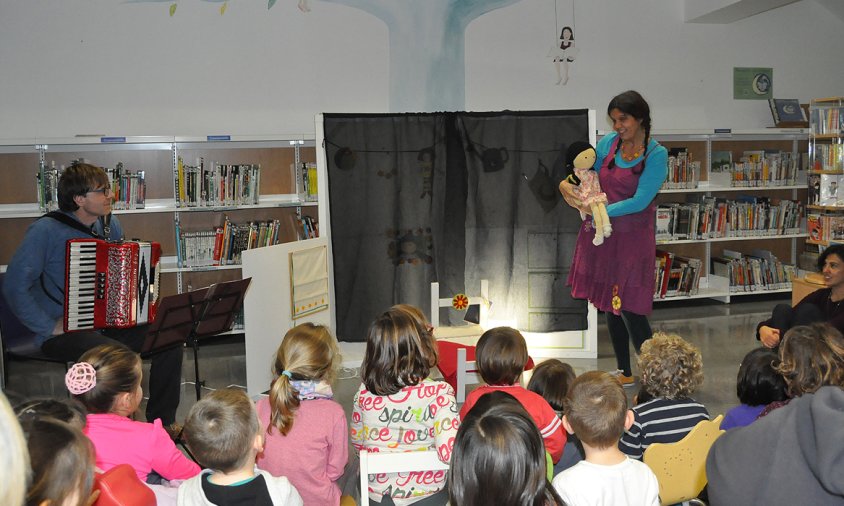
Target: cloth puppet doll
x: 579, y: 160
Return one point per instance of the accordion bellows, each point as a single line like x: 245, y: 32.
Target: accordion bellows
x: 110, y: 284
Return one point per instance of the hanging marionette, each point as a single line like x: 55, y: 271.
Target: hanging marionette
x: 580, y: 158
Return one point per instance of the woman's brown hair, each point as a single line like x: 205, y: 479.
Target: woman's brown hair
x: 811, y: 356
x: 400, y: 350
x: 307, y: 352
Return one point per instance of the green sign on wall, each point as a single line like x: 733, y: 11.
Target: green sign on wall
x: 753, y: 83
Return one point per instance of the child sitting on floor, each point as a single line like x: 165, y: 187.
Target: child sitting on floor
x: 758, y: 384
x: 62, y: 461
x: 301, y: 419
x: 107, y: 380
x: 501, y: 356
x: 671, y: 370
x: 551, y: 379
x: 223, y: 433
x: 499, y: 457
x: 596, y: 411
x: 398, y: 408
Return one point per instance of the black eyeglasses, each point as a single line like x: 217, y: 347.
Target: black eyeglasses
x: 105, y: 190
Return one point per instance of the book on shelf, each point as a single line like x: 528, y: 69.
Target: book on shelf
x: 664, y: 215
x: 760, y: 270
x: 765, y: 168
x: 663, y: 272
x: 716, y: 217
x: 829, y: 190
x: 683, y: 172
x: 814, y: 227
x: 813, y: 182
x: 305, y: 181
x: 47, y: 186
x: 826, y: 121
x: 224, y: 244
x: 675, y: 275
x: 828, y: 157
x: 788, y: 113
x: 211, y: 184
x: 722, y: 161
x: 128, y: 187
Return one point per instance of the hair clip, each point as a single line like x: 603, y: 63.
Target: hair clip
x: 80, y: 378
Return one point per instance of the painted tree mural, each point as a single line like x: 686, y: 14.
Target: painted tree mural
x: 427, y: 47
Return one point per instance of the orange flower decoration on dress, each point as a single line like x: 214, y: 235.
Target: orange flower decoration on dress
x: 460, y: 302
x: 616, y: 300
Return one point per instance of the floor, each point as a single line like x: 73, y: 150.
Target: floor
x: 724, y: 333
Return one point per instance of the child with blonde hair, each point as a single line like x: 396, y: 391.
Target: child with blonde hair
x: 672, y: 370
x: 305, y: 429
x: 501, y: 356
x: 107, y: 381
x: 223, y: 432
x: 398, y: 408
x: 14, y: 458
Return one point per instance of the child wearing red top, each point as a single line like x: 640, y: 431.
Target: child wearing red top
x: 501, y: 356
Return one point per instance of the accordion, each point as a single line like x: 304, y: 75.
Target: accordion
x: 110, y: 284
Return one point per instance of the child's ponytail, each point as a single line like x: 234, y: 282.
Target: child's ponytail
x: 284, y: 401
x: 304, y: 366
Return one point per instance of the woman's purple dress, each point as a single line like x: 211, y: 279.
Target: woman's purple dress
x: 618, y: 274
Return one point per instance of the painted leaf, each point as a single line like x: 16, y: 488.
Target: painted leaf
x: 223, y: 8
x: 270, y: 4
x: 172, y: 10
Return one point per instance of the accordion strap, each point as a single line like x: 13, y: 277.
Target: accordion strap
x: 70, y: 222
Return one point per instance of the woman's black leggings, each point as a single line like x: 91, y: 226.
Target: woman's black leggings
x: 623, y: 328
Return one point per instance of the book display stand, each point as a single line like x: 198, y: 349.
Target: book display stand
x: 187, y: 318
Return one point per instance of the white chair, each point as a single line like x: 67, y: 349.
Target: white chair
x: 470, y: 330
x: 395, y: 462
x: 467, y: 374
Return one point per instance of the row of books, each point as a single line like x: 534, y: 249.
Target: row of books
x: 676, y: 275
x: 224, y: 245
x: 715, y: 217
x: 760, y: 168
x: 828, y: 157
x: 211, y: 184
x: 826, y: 120
x: 683, y: 172
x: 128, y: 188
x: 759, y: 271
x: 47, y: 187
x: 306, y: 181
x: 825, y: 227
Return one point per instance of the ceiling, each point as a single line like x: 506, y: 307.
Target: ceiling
x: 727, y: 11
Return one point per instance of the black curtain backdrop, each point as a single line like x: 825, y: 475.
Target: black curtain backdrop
x: 454, y: 198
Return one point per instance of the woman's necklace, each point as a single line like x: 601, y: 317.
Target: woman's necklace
x: 630, y: 157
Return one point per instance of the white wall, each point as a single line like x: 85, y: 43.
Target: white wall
x: 122, y: 68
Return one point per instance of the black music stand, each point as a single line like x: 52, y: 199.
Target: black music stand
x: 188, y: 317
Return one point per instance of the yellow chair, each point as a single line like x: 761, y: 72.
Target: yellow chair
x: 680, y: 467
